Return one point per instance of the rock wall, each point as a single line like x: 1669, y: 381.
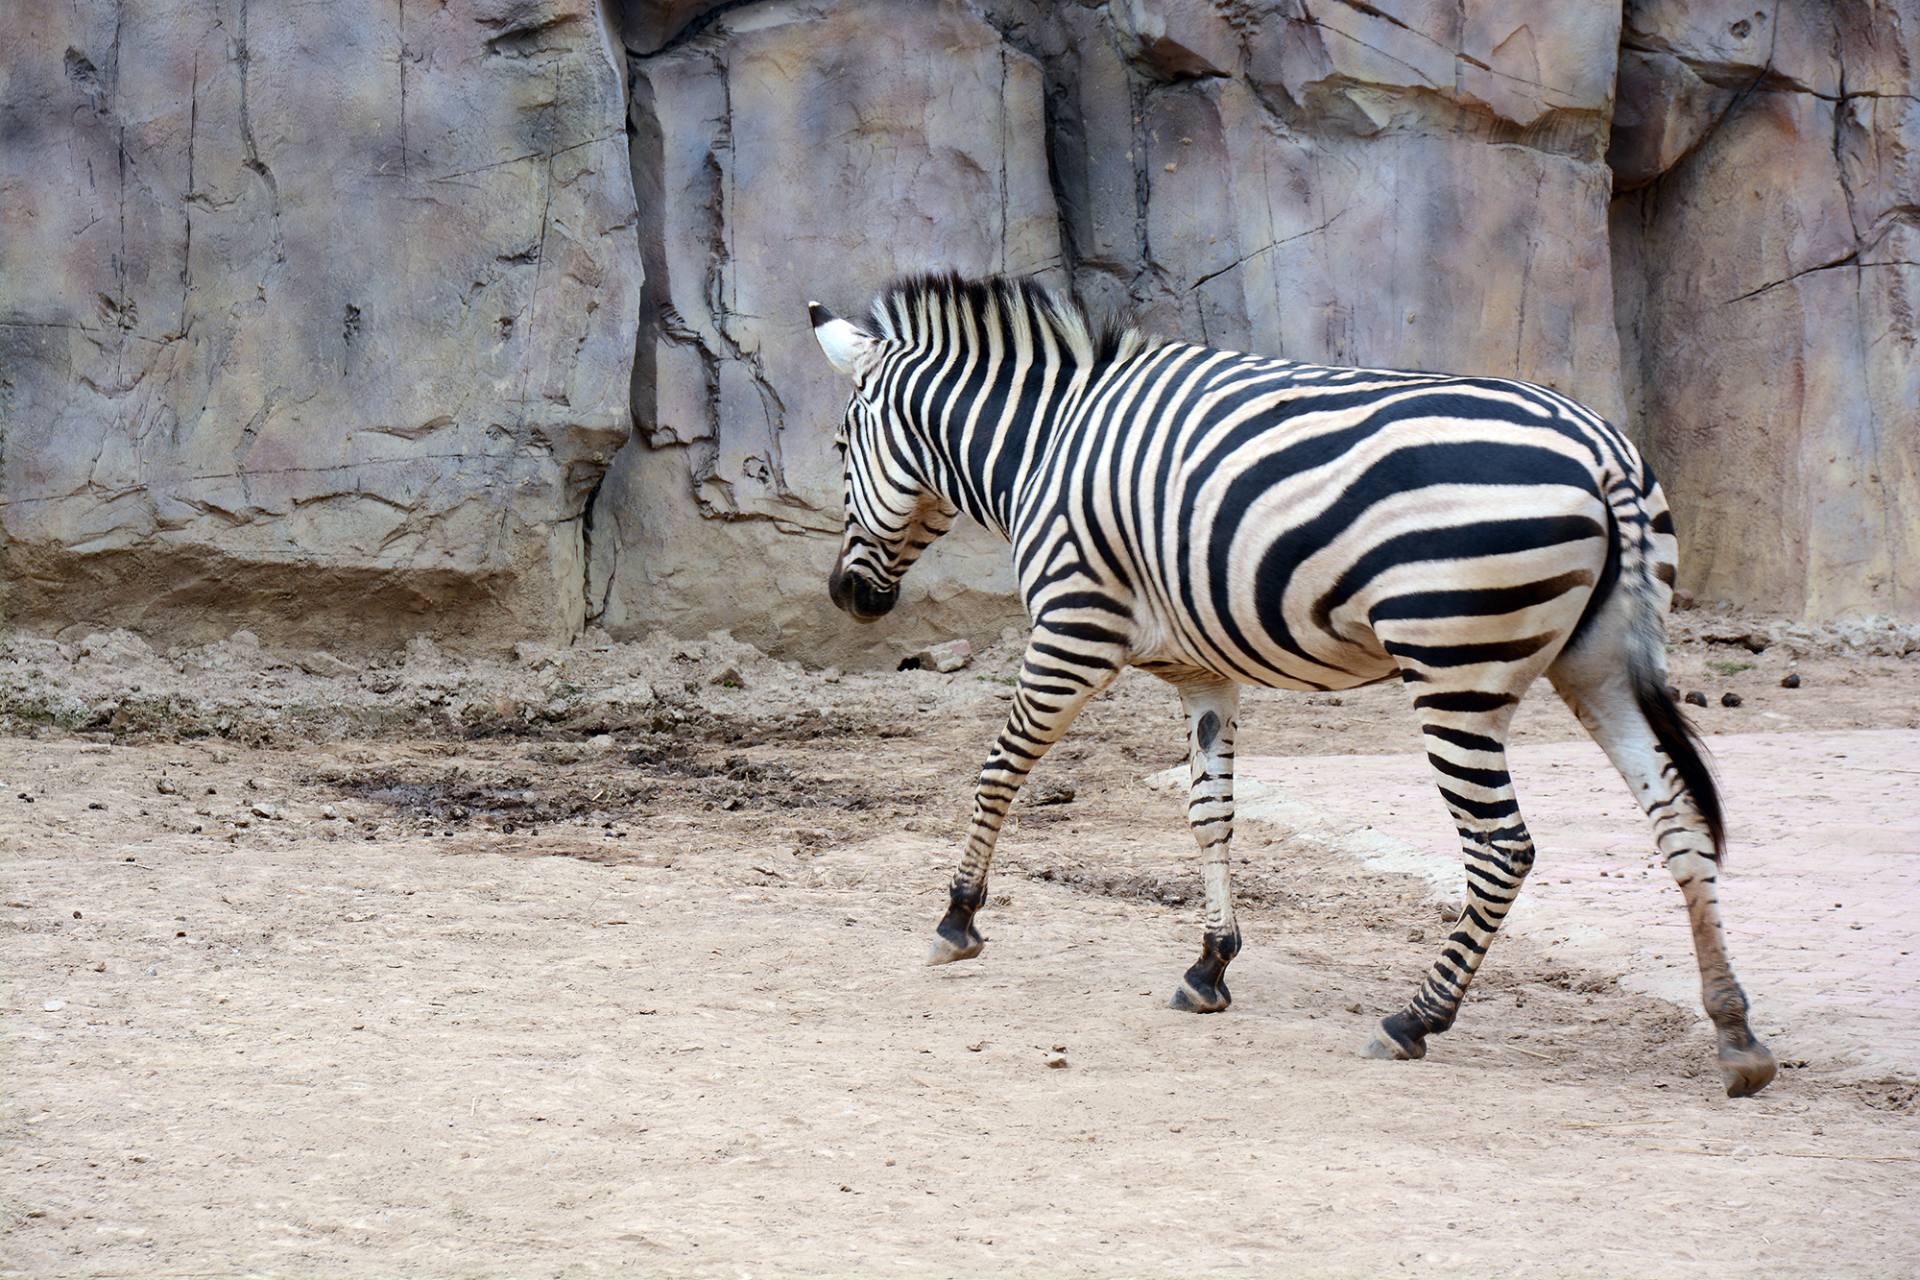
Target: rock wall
x: 314, y: 319
x: 1423, y: 188
x: 1767, y: 268
x: 1231, y: 172
x: 486, y: 318
x: 788, y: 152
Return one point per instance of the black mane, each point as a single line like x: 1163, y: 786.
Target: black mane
x: 1091, y: 340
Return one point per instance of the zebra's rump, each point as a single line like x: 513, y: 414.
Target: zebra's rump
x: 1305, y: 526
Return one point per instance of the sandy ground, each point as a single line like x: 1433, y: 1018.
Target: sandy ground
x: 496, y: 992
x: 1821, y: 882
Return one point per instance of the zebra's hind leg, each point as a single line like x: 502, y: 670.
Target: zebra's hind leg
x: 1465, y: 733
x: 1211, y: 710
x: 1601, y: 693
x: 1058, y: 675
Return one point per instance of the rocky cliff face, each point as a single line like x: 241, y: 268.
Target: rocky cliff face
x: 315, y: 319
x: 1767, y: 268
x: 487, y: 318
x: 788, y: 152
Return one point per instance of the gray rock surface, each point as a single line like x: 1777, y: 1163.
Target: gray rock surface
x: 788, y: 153
x: 317, y: 320
x: 1350, y: 183
x: 1768, y: 278
x: 486, y: 319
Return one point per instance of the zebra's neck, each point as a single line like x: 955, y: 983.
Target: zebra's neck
x: 984, y: 409
x: 984, y: 440
x: 988, y: 374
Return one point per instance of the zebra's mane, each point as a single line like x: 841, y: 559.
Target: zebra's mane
x: 901, y: 313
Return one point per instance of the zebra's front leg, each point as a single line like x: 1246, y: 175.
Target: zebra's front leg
x: 1212, y: 710
x: 1058, y: 675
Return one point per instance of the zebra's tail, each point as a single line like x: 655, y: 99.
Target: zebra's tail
x: 1638, y: 510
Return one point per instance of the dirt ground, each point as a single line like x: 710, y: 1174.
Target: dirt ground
x: 609, y: 960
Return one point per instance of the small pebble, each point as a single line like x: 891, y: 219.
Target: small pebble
x: 54, y: 1006
x: 1730, y: 699
x: 1056, y: 1062
x: 1790, y: 681
x: 95, y: 804
x: 1696, y: 699
x: 1416, y: 935
x: 261, y: 809
x: 1050, y: 791
x: 1355, y: 1008
x: 99, y: 966
x: 152, y: 971
x: 166, y: 787
x: 329, y: 813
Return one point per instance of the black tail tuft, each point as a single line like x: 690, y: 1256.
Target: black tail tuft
x: 1681, y: 742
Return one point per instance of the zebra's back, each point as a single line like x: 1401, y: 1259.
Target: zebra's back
x: 1287, y: 525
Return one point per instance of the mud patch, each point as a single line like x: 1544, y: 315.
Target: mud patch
x: 610, y: 786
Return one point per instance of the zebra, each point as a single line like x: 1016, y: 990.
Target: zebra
x: 1221, y: 519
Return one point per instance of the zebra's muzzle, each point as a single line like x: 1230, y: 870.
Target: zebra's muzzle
x: 859, y: 599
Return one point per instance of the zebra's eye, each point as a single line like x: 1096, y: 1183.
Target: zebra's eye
x: 840, y: 445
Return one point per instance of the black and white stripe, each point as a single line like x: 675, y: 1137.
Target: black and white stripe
x: 1223, y: 520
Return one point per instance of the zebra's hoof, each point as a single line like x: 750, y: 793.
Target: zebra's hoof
x: 1747, y: 1071
x: 1385, y: 1044
x: 945, y: 950
x: 1190, y: 997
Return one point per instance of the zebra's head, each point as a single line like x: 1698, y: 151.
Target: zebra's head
x: 892, y: 515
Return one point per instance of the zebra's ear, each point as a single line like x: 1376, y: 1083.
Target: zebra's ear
x: 847, y: 348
